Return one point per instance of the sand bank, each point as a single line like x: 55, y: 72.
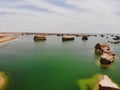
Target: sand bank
x: 7, y: 38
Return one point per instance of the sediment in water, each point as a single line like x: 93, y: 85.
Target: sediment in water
x: 3, y: 81
x: 97, y: 82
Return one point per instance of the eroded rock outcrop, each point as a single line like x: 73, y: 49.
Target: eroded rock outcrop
x: 101, y: 47
x: 67, y: 37
x: 39, y: 37
x: 106, y: 84
x: 106, y: 56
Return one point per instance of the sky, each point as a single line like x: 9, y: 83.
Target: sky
x: 60, y: 16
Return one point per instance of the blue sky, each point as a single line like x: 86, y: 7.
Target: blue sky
x: 69, y: 16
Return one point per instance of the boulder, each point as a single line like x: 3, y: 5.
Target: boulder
x: 106, y: 84
x: 116, y: 38
x: 67, y: 37
x: 107, y: 58
x: 101, y: 47
x: 39, y: 37
x: 101, y: 35
x: 84, y: 37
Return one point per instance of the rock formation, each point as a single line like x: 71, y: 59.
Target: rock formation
x: 67, y: 37
x: 101, y: 47
x: 39, y: 37
x: 106, y: 84
x: 84, y: 37
x: 101, y: 35
x: 106, y: 56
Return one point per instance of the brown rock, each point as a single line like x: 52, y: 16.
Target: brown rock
x: 39, y: 37
x: 101, y: 47
x: 106, y: 84
x: 107, y: 58
x: 67, y: 37
x: 84, y: 37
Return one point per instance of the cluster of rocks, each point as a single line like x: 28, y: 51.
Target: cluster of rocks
x: 116, y: 40
x: 106, y: 56
x: 39, y: 37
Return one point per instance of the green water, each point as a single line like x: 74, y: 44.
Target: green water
x: 53, y: 64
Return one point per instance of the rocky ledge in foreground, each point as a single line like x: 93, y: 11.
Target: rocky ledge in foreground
x: 106, y: 84
x: 97, y: 82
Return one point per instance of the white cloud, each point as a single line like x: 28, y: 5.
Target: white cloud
x: 99, y: 16
x: 52, y: 8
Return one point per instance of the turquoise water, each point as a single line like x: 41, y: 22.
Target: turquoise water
x: 53, y: 64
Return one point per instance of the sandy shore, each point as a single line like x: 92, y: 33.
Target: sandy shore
x: 7, y: 38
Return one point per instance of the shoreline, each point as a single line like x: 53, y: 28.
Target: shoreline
x: 7, y: 39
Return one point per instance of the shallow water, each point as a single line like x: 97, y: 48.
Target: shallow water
x: 53, y: 64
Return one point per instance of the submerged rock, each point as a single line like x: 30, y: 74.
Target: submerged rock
x: 67, y: 37
x: 39, y: 37
x: 3, y: 81
x: 106, y: 84
x: 97, y: 82
x: 84, y: 37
